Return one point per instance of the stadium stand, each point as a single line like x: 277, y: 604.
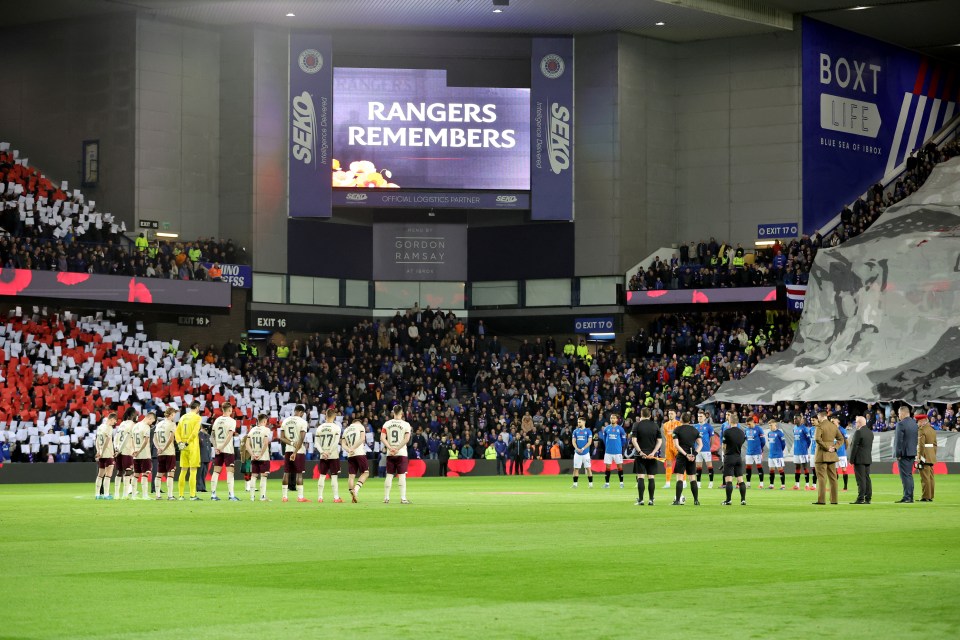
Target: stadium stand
x: 51, y: 228
x: 707, y: 264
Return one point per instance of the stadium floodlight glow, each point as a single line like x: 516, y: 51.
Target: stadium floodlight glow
x: 498, y: 10
x: 599, y: 337
x: 291, y: 15
x: 764, y: 243
x: 165, y: 234
x: 859, y: 7
x: 660, y: 24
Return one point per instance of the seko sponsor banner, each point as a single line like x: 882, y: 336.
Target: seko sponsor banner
x: 393, y: 198
x: 866, y: 106
x: 310, y: 116
x: 701, y: 296
x: 408, y: 129
x: 551, y: 122
x: 237, y: 275
x: 420, y: 252
x: 112, y: 289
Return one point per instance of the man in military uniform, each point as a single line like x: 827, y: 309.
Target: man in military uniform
x: 926, y: 456
x: 829, y: 439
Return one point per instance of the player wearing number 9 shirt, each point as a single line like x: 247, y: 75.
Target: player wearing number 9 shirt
x: 327, y: 442
x: 354, y: 442
x: 394, y: 437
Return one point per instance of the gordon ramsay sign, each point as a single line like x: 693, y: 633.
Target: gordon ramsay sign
x: 420, y: 252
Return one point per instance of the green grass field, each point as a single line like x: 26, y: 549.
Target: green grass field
x: 469, y: 559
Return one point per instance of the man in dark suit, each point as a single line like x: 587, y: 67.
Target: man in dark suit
x: 860, y: 452
x: 905, y: 451
x: 206, y: 453
x: 829, y: 439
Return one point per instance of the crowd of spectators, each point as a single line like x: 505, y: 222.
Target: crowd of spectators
x: 461, y: 389
x: 707, y: 264
x: 48, y: 227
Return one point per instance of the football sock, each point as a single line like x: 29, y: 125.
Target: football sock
x: 193, y: 481
x: 182, y: 482
x: 117, y: 483
x: 402, y: 481
x: 320, y: 483
x: 771, y: 477
x: 607, y: 477
x: 783, y: 478
x: 699, y: 475
x: 651, y: 484
x: 170, y: 486
x: 575, y: 479
x: 230, y: 481
x: 749, y: 473
x: 213, y: 482
x: 668, y: 470
x: 97, y: 486
x: 640, y: 487
x: 806, y: 477
x: 695, y: 488
x: 263, y: 486
x: 284, y: 490
x: 743, y: 491
x: 796, y: 477
x: 729, y: 487
x: 711, y: 474
x: 144, y: 486
x: 620, y: 473
x: 387, y: 483
x: 679, y: 489
x: 336, y: 486
x: 299, y: 491
x: 846, y: 479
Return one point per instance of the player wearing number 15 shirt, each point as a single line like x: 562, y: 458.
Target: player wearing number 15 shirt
x: 354, y: 443
x: 394, y: 437
x: 293, y: 431
x: 327, y: 442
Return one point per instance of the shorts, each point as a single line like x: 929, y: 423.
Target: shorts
x: 166, y: 464
x: 142, y: 465
x: 357, y: 465
x: 801, y: 459
x: 104, y: 463
x: 755, y: 459
x: 224, y: 459
x: 682, y: 465
x: 245, y: 466
x: 125, y: 462
x: 294, y: 463
x: 328, y: 467
x: 581, y: 460
x: 396, y: 465
x: 705, y: 456
x: 775, y: 463
x: 190, y: 458
x: 732, y: 466
x: 613, y: 458
x: 645, y: 466
x: 260, y: 467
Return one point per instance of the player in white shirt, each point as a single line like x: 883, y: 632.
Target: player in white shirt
x: 142, y: 461
x: 103, y: 453
x: 258, y: 446
x: 327, y: 442
x: 123, y: 445
x: 224, y: 457
x: 354, y: 442
x: 164, y: 441
x: 394, y: 437
x: 293, y: 431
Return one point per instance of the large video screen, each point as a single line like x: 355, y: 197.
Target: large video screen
x: 405, y: 128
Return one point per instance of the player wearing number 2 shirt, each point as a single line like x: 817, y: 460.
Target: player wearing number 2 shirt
x: 354, y: 442
x: 224, y: 457
x: 394, y: 437
x: 327, y: 442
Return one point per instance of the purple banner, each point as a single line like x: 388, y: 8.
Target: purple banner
x: 701, y: 296
x: 392, y: 198
x: 405, y: 128
x: 551, y: 129
x: 84, y: 286
x: 311, y: 107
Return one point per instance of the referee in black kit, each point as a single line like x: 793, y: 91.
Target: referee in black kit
x: 646, y: 440
x: 688, y: 442
x: 733, y: 439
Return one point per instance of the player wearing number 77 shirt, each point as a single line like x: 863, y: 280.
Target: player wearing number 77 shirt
x: 327, y: 442
x: 394, y: 437
x: 354, y: 442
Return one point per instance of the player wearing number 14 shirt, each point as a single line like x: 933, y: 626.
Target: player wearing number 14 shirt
x: 327, y: 442
x: 394, y: 437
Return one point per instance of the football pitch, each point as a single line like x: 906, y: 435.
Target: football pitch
x: 480, y: 558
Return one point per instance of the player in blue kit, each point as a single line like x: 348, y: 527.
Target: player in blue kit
x: 842, y: 455
x: 776, y: 443
x: 614, y: 438
x: 801, y: 457
x: 582, y: 440
x: 812, y: 435
x: 705, y: 456
x: 755, y: 445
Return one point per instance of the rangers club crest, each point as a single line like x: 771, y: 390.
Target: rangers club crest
x: 551, y: 66
x: 311, y: 61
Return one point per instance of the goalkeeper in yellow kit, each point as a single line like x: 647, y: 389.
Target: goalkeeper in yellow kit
x: 187, y: 437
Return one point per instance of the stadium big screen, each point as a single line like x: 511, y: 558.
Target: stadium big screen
x: 406, y: 138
